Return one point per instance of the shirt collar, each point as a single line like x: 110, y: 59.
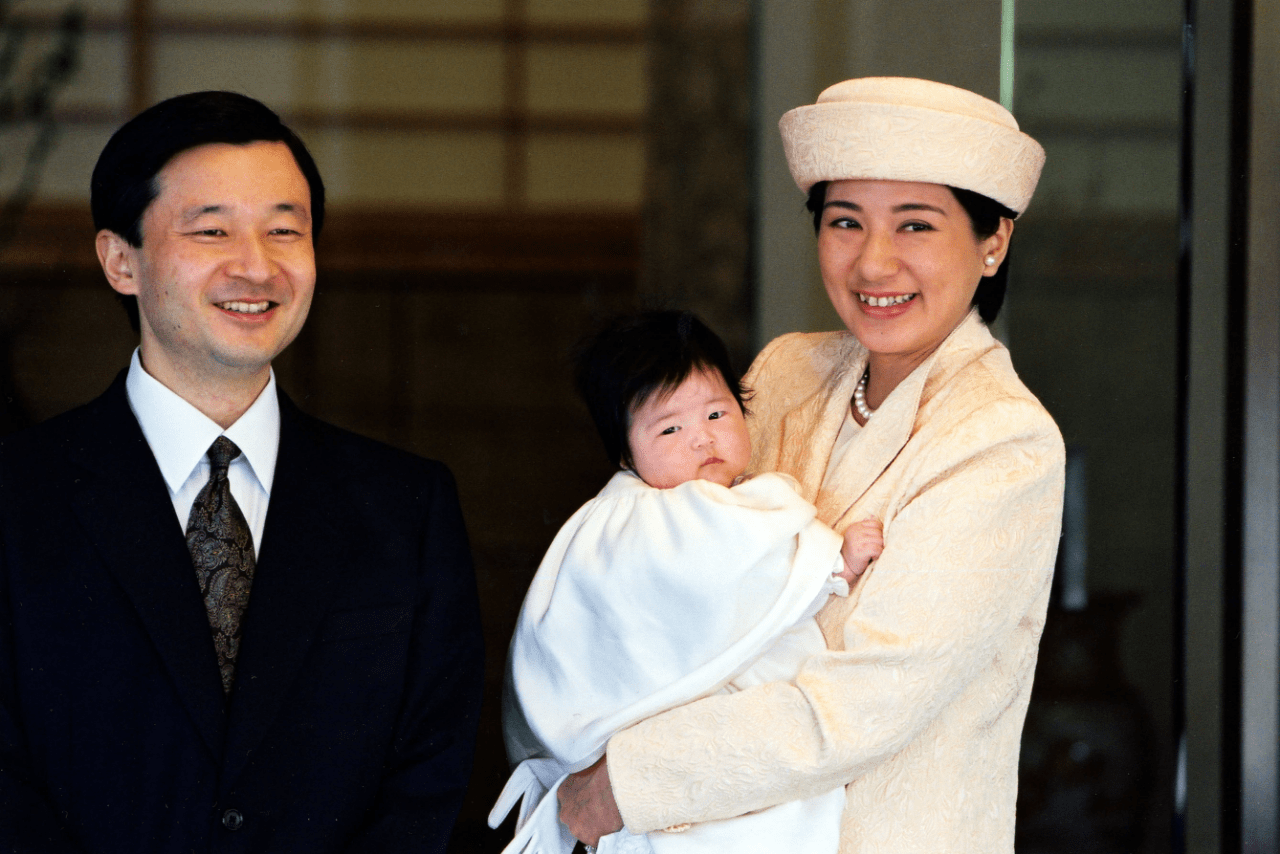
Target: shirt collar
x: 180, y: 435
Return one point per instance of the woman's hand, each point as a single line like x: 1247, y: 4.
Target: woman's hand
x: 587, y: 806
x: 863, y: 542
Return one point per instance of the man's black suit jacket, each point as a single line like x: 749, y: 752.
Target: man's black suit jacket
x: 351, y: 723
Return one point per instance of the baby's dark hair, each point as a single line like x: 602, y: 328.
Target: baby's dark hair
x: 635, y: 356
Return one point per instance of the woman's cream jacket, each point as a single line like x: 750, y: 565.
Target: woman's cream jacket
x: 918, y: 704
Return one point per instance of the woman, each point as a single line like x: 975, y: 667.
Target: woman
x: 915, y: 416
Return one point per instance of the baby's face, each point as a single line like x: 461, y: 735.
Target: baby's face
x: 697, y: 431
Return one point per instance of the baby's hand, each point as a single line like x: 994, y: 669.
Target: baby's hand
x: 863, y: 542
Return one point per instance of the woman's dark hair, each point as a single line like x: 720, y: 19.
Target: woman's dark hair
x: 124, y: 180
x: 633, y: 357
x: 984, y: 213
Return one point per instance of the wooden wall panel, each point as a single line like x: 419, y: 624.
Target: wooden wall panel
x: 556, y: 75
x: 581, y: 170
x: 626, y: 12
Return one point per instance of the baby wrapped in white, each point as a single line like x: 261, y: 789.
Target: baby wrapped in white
x: 648, y: 599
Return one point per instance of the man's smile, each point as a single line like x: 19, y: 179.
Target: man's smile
x: 245, y: 307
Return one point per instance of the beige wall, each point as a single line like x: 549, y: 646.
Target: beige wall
x: 1260, y: 594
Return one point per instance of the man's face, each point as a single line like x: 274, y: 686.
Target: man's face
x: 226, y: 270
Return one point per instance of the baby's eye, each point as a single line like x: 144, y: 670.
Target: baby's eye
x: 669, y: 431
x: 713, y: 416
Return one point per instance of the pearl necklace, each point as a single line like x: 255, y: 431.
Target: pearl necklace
x: 860, y: 397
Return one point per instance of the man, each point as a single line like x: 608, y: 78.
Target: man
x: 224, y: 625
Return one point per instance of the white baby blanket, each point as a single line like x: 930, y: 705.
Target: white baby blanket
x: 648, y: 599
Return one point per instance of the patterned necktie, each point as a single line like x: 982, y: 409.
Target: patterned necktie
x: 222, y: 550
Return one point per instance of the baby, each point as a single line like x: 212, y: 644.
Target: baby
x: 680, y: 579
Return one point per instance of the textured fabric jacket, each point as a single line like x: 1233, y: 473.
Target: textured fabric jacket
x: 919, y: 702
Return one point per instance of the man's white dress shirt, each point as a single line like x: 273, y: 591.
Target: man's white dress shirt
x: 180, y: 435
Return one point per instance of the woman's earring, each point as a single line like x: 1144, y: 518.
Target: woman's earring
x: 991, y: 259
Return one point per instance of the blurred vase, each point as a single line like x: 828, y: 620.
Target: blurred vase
x: 1086, y: 767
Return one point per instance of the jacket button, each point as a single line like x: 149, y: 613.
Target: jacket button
x: 232, y: 820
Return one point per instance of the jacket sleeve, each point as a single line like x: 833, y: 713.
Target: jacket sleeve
x: 28, y: 821
x: 431, y: 755
x: 968, y: 559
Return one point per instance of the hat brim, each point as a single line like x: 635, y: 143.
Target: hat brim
x: 838, y: 141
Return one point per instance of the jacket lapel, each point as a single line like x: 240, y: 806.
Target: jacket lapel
x: 878, y: 443
x: 306, y: 543
x: 124, y: 506
x: 810, y: 431
x: 809, y: 434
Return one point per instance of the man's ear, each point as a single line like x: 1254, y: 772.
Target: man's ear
x: 119, y: 261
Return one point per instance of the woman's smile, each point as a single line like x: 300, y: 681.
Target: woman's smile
x: 884, y: 301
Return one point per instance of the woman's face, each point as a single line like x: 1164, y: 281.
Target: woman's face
x: 901, y: 263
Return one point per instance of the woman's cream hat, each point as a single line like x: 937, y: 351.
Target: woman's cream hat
x: 904, y: 129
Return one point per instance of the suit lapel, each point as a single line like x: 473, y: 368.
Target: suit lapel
x: 124, y: 507
x: 306, y: 543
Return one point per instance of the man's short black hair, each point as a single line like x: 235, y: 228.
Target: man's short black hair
x: 635, y: 356
x: 124, y: 179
